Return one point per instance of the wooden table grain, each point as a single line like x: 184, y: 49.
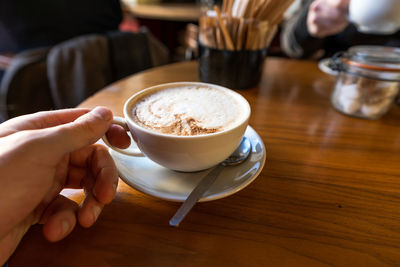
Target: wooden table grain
x: 329, y: 194
x: 188, y: 12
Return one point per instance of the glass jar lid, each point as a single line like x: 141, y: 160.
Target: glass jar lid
x: 376, y: 62
x: 375, y: 58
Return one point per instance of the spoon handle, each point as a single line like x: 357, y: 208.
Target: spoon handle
x: 195, y: 195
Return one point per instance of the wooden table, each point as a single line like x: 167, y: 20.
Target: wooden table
x: 329, y: 193
x: 164, y: 11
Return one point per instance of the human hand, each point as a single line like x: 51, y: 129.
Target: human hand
x: 43, y: 153
x: 327, y: 17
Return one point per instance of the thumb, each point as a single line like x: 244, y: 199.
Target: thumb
x: 82, y: 132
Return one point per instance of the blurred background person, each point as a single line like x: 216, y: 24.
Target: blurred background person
x: 320, y: 28
x: 28, y: 24
x: 65, y: 51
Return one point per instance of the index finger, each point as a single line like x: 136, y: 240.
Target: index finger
x: 41, y: 120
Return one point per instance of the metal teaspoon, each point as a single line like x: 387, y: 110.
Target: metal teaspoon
x: 238, y: 156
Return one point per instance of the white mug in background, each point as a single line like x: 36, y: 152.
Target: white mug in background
x: 375, y: 16
x: 182, y: 153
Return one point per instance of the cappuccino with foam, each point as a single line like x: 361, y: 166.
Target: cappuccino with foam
x: 189, y: 110
x: 184, y: 126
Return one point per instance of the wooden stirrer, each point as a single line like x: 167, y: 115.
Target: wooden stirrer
x: 225, y: 33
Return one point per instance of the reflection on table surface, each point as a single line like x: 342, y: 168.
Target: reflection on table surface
x: 328, y: 194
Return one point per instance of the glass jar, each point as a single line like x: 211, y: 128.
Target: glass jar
x: 367, y: 82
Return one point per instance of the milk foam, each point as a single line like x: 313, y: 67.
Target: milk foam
x: 188, y: 110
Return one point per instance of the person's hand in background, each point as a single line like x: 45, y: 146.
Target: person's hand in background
x: 45, y: 152
x: 327, y: 17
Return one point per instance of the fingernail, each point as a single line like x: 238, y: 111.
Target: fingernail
x: 65, y: 227
x: 96, y: 212
x: 102, y: 112
x: 115, y: 185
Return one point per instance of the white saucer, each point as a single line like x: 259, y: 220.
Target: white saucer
x: 150, y: 178
x: 323, y: 66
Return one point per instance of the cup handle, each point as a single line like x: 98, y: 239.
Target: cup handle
x: 130, y: 152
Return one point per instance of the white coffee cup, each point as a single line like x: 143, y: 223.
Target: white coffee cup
x: 182, y: 153
x: 375, y: 16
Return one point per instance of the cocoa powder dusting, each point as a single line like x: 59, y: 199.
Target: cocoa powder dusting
x: 196, y: 129
x: 180, y: 127
x: 185, y: 127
